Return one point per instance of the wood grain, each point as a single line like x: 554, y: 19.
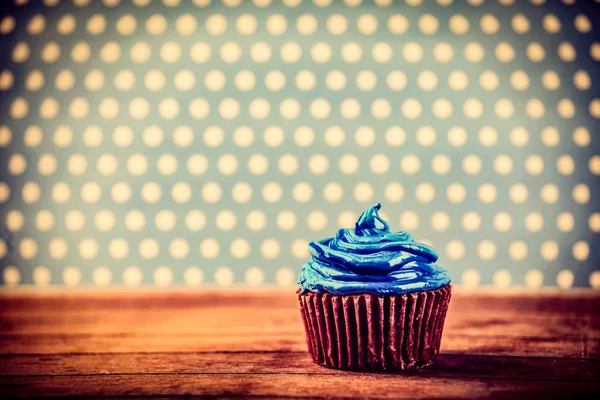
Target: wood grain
x: 342, y: 385
x: 241, y: 344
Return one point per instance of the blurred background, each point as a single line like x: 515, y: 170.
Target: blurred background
x: 199, y: 142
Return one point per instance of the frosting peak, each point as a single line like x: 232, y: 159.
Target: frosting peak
x: 371, y: 259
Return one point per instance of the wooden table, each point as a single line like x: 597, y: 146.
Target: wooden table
x: 252, y: 344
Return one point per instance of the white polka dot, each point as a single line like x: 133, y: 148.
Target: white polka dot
x: 299, y: 248
x: 565, y: 222
x: 118, y: 248
x: 11, y: 275
x: 565, y: 279
x: 581, y: 193
x: 132, y: 276
x: 455, y: 250
x: 397, y: 24
x: 302, y: 192
x: 288, y: 164
x: 443, y: 52
x: 241, y: 192
x: 229, y: 108
x: 505, y: 52
x: 193, y: 276
x: 290, y: 52
x: 441, y: 164
x: 259, y: 108
x: 270, y: 248
x: 199, y: 108
x: 179, y: 248
x: 456, y: 192
x: 518, y: 250
x: 227, y: 164
x: 487, y: 193
x: 534, y: 164
x: 410, y: 164
x: 412, y: 52
x: 275, y: 81
x: 582, y: 80
x: 254, y: 276
x: 367, y: 24
x: 272, y: 192
x: 442, y: 108
x: 286, y: 220
x: 347, y: 219
x: 472, y: 164
x: 104, y: 220
x: 181, y: 192
x: 15, y: 220
x: 409, y: 220
x: 256, y: 220
x: 306, y: 24
x: 305, y: 80
x: 488, y: 136
x: 502, y: 221
x: 549, y: 250
x: 350, y: 108
x: 239, y: 248
x: 471, y: 278
x: 195, y: 220
x: 428, y: 24
x: 165, y: 220
x: 395, y: 136
x: 594, y: 279
x: 458, y: 24
x: 486, y: 250
x: 335, y: 80
x: 216, y: 24
x: 337, y: 24
x: 471, y: 221
x: 549, y: 193
x: 382, y: 52
x: 276, y: 24
x: 379, y: 164
x: 88, y: 248
x: 363, y: 192
x: 226, y: 220
x: 260, y: 52
x: 394, y: 192
x: 230, y: 52
x: 246, y: 24
x: 502, y: 278
x: 61, y: 192
x: 425, y: 192
x: 71, y: 276
x: 285, y: 277
x: 411, y: 108
x: 31, y: 192
x: 321, y: 52
x: 566, y: 52
x: 224, y: 276
x: 351, y: 52
x: 258, y: 164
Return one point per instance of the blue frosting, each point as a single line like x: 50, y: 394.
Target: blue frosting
x: 371, y: 259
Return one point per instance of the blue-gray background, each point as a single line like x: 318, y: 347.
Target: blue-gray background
x: 196, y: 142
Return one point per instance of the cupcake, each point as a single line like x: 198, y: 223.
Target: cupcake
x: 373, y: 300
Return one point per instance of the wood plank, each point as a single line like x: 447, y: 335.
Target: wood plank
x: 207, y: 320
x: 290, y: 385
x: 481, y: 367
x: 291, y: 341
x: 573, y: 302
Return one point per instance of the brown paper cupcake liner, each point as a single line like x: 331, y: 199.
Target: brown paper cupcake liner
x: 375, y: 333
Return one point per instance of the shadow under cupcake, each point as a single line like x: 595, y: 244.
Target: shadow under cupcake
x: 373, y: 300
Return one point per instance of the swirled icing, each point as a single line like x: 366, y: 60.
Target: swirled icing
x: 371, y: 259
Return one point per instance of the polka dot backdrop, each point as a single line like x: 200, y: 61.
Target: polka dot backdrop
x: 206, y: 142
